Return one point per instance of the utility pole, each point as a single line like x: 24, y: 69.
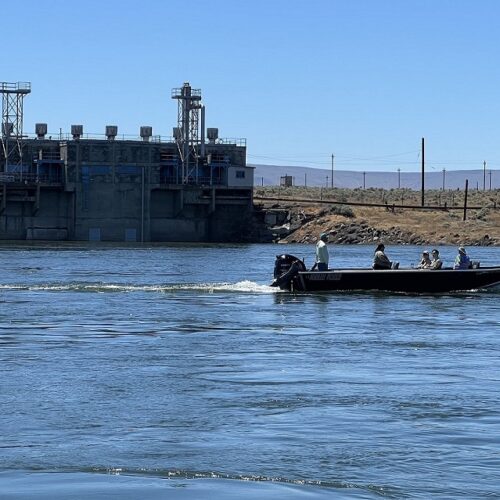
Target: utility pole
x: 423, y: 170
x: 490, y: 179
x: 364, y: 180
x: 333, y: 158
x: 444, y: 177
x: 465, y: 198
x: 484, y: 175
x: 399, y: 178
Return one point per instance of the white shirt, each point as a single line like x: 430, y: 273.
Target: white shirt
x: 321, y: 252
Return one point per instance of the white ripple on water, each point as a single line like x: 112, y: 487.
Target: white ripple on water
x: 241, y: 287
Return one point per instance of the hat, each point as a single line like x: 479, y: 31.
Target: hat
x: 425, y: 252
x: 435, y: 250
x: 323, y: 235
x: 461, y: 249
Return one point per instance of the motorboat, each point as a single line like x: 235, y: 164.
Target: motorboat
x: 291, y: 274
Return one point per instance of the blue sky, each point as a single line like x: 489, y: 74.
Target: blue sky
x: 364, y: 80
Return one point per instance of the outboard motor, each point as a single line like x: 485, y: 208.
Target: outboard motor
x: 286, y: 267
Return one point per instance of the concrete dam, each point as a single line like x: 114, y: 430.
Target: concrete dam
x: 191, y: 187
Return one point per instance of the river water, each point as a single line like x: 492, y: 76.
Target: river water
x: 177, y: 372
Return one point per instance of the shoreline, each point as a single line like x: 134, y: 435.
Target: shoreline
x: 303, y: 220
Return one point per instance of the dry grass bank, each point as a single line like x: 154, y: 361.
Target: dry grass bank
x: 438, y: 198
x: 429, y: 226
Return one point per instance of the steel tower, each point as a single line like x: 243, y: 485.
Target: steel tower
x: 186, y: 134
x: 12, y: 122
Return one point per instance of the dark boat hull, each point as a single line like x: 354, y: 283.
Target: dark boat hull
x: 291, y: 274
x: 397, y: 280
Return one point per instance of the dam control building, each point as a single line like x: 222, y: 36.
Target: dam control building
x: 191, y: 187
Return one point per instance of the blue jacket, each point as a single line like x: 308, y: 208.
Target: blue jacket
x: 462, y: 261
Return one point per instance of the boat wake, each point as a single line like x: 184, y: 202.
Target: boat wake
x: 240, y: 287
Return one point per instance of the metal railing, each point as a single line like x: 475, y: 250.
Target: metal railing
x: 64, y: 136
x: 179, y: 92
x: 200, y: 181
x: 229, y: 141
x: 29, y: 178
x: 22, y: 87
x: 47, y: 156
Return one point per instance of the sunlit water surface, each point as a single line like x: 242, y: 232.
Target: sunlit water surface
x: 177, y: 372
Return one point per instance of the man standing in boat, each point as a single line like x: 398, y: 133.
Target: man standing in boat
x: 322, y: 253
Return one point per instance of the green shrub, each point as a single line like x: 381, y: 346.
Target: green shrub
x: 343, y: 210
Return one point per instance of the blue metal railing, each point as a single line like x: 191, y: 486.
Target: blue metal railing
x: 200, y: 181
x: 30, y: 178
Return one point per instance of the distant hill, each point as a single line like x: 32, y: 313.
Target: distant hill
x: 270, y: 175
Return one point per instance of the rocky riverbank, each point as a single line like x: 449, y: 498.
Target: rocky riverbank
x: 290, y: 222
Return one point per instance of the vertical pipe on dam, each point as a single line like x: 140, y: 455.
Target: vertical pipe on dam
x: 142, y: 205
x: 202, y: 138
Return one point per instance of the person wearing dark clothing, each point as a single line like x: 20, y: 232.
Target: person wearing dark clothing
x: 425, y: 262
x: 380, y: 259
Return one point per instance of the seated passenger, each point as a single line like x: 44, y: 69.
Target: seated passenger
x: 425, y: 262
x: 462, y: 260
x: 436, y: 262
x: 380, y: 259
